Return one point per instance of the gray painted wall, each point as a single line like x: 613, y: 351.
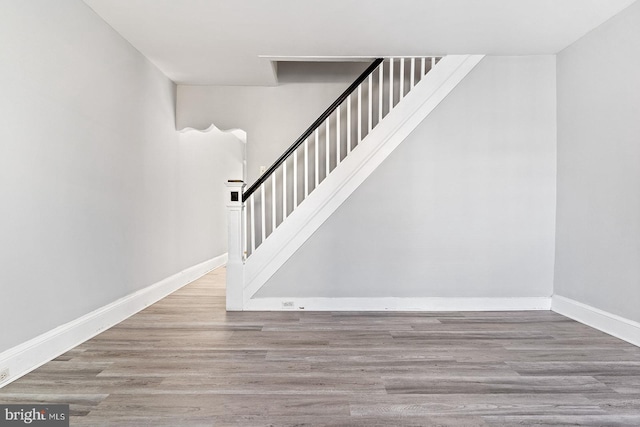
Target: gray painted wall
x: 465, y: 207
x: 206, y: 160
x: 100, y: 197
x: 598, y: 214
x: 273, y: 117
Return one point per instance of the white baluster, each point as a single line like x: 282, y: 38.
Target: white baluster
x: 263, y: 219
x: 370, y: 102
x: 433, y: 62
x: 284, y: 190
x: 253, y: 223
x: 245, y: 243
x: 273, y: 202
x: 413, y: 73
x: 390, y: 84
x: 295, y: 179
x: 359, y: 114
x: 338, y: 135
x: 306, y: 168
x: 423, y: 67
x: 327, y: 148
x: 401, y: 78
x: 348, y: 124
x: 317, y: 144
x: 380, y: 85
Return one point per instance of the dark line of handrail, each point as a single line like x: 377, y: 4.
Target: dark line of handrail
x: 311, y: 129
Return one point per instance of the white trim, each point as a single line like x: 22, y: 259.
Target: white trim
x: 334, y: 58
x: 400, y: 304
x: 355, y: 169
x: 612, y: 324
x: 34, y: 353
x: 238, y: 133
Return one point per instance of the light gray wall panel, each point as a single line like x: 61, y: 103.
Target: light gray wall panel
x: 99, y: 197
x: 598, y: 218
x: 273, y: 117
x: 465, y: 207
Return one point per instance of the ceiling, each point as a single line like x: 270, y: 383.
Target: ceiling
x: 233, y: 42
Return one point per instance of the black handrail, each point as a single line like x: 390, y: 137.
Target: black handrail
x: 311, y: 129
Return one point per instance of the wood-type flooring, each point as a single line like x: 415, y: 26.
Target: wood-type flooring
x: 184, y: 361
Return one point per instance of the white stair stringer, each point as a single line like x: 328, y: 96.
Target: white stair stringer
x: 318, y: 206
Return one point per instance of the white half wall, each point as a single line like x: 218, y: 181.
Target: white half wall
x: 463, y: 208
x: 100, y: 197
x: 598, y: 214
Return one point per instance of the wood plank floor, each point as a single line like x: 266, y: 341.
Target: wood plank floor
x: 186, y: 362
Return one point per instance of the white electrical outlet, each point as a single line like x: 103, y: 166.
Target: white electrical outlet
x: 4, y: 374
x: 287, y: 304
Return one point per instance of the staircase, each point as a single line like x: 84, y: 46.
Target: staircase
x: 272, y: 218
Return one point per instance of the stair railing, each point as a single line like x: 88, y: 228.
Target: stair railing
x: 308, y: 161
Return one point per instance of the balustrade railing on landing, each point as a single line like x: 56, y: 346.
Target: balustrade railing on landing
x: 326, y: 143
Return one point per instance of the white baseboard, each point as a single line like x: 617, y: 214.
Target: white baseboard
x: 612, y: 324
x: 34, y: 353
x: 398, y: 304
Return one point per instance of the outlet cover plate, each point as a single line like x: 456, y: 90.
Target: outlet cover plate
x: 4, y: 374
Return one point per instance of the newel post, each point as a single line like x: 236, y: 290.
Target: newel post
x: 235, y: 263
